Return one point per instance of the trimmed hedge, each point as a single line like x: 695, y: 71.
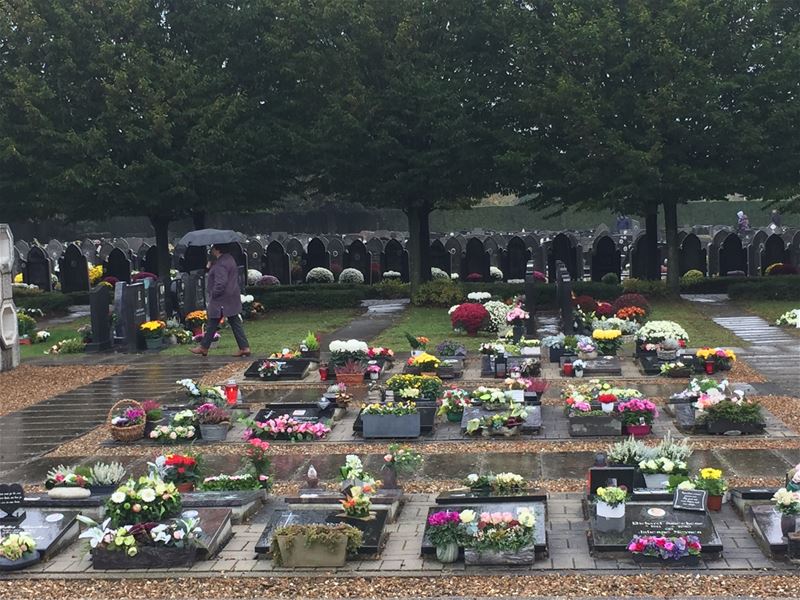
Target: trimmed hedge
x: 779, y: 287
x: 331, y: 297
x: 49, y: 302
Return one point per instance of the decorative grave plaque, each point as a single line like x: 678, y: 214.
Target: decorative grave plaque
x: 691, y: 500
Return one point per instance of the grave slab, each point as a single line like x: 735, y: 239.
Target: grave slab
x: 466, y: 495
x: 373, y: 530
x: 52, y: 531
x: 292, y: 370
x: 767, y: 530
x: 532, y: 424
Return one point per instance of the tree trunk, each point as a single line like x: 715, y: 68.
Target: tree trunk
x: 161, y: 228
x: 414, y: 214
x: 199, y: 219
x: 653, y: 265
x: 671, y: 227
x: 425, y: 244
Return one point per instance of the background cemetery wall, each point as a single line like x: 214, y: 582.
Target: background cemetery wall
x: 351, y: 219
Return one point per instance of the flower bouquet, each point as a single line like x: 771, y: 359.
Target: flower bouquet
x: 658, y: 470
x: 680, y: 549
x: 716, y: 359
x: 453, y: 402
x: 173, y: 433
x: 424, y: 363
x: 506, y: 423
x: 285, y: 427
x: 501, y: 483
x: 343, y: 352
x: 17, y: 550
x: 127, y: 421
x: 257, y: 461
x: 637, y: 416
x: 470, y: 317
x: 498, y: 538
x: 143, y: 500
x: 711, y: 480
x: 445, y: 533
x: 399, y: 459
x: 418, y: 343
x: 182, y: 470
x: 357, y: 503
x: 491, y: 398
x: 791, y: 318
x: 195, y: 321
x: 269, y: 369
x: 611, y: 502
x: 656, y: 332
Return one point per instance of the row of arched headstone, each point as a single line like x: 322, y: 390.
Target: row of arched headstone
x: 471, y: 257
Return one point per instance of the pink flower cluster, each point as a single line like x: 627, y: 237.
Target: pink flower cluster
x: 665, y: 547
x: 516, y: 314
x: 582, y: 406
x: 443, y: 518
x: 638, y: 405
x: 286, y: 426
x: 495, y: 518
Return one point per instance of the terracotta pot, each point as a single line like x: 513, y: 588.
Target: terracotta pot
x: 350, y: 378
x: 184, y: 488
x: 714, y: 503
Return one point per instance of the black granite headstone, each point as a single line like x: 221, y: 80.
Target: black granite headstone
x: 11, y: 497
x: 99, y: 304
x: 119, y: 265
x: 155, y: 300
x: 73, y: 270
x: 134, y: 313
x: 600, y: 476
x: 276, y: 262
x: 38, y: 270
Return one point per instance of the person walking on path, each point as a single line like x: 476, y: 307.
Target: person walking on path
x: 224, y: 301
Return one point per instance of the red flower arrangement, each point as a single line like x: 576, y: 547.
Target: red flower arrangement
x: 604, y: 309
x: 631, y: 313
x: 606, y: 398
x: 181, y: 468
x: 585, y: 303
x: 470, y: 316
x: 631, y: 300
x: 142, y: 275
x: 474, y: 277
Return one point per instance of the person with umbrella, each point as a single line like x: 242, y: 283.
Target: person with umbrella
x: 224, y: 301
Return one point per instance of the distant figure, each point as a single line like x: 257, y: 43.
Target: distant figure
x: 225, y: 300
x: 775, y: 218
x: 623, y: 223
x: 743, y: 222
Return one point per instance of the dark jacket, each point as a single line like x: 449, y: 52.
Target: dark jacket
x: 222, y: 284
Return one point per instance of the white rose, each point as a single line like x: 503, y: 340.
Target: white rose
x: 147, y: 494
x: 472, y: 477
x: 118, y: 497
x: 173, y: 435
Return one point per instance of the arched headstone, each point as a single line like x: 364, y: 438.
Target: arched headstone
x: 150, y: 261
x: 692, y: 255
x: 317, y: 254
x: 357, y: 257
x: 89, y: 250
x: 515, y: 258
x: 119, y: 265
x: 277, y: 262
x: 492, y: 248
x: 38, y: 270
x: 54, y: 250
x: 336, y: 251
x: 563, y: 248
x: 605, y: 258
x: 105, y: 249
x: 713, y: 251
x: 255, y: 255
x: 297, y: 259
x: 476, y: 261
x: 732, y: 257
x: 774, y: 252
x: 73, y: 270
x: 455, y: 250
x: 195, y: 258
x: 439, y: 256
x: 396, y: 258
x: 534, y: 246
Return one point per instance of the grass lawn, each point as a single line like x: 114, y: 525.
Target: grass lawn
x: 57, y: 333
x: 701, y: 329
x: 278, y: 330
x: 433, y: 323
x: 769, y: 309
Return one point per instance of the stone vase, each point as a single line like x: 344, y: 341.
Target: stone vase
x: 788, y: 524
x: 447, y: 553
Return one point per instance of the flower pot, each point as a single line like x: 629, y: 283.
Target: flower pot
x: 297, y: 552
x: 455, y: 417
x: 610, y: 524
x: 656, y: 481
x: 517, y: 331
x: 788, y: 523
x: 389, y: 478
x: 154, y: 343
x: 657, y: 561
x: 578, y: 373
x: 607, y: 407
x: 312, y: 354
x: 555, y: 354
x: 447, y: 553
x: 607, y: 511
x: 374, y: 376
x: 587, y: 355
x: 148, y: 557
x: 350, y: 378
x: 214, y: 433
x: 530, y: 351
x: 714, y: 503
x: 103, y: 490
x: 26, y: 560
x: 523, y: 556
x: 638, y: 430
x: 185, y: 487
x: 391, y: 426
x: 69, y: 493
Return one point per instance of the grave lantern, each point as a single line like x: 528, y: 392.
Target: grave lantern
x: 500, y: 366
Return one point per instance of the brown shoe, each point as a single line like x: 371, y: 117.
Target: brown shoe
x: 199, y: 350
x: 243, y: 352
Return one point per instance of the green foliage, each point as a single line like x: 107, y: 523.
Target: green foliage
x: 780, y: 287
x: 610, y: 279
x: 691, y: 275
x: 391, y: 289
x: 25, y: 325
x: 325, y: 534
x: 49, y: 303
x: 651, y: 289
x: 744, y: 412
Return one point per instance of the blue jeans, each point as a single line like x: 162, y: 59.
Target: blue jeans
x: 237, y: 327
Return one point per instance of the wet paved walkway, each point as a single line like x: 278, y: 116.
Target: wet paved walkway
x: 37, y: 429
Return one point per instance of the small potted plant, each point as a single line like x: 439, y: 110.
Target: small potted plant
x: 516, y: 318
x: 424, y: 363
x: 681, y: 550
x: 611, y: 508
x: 586, y: 350
x: 309, y: 346
x: 270, y: 369
x: 675, y: 369
x: 418, y: 343
x: 315, y: 545
x: 535, y: 389
x: 153, y: 333
x: 214, y: 422
x: 390, y: 420
x: 445, y: 533
x: 350, y: 373
x: 530, y: 347
x: 608, y: 341
x: 637, y: 415
x: 399, y: 459
x: 195, y: 321
x: 154, y: 416
x: 657, y: 471
x: 506, y: 424
x: 515, y: 388
x: 711, y: 480
x: 490, y: 398
x: 104, y: 478
x: 374, y: 371
x: 451, y: 349
x: 181, y: 469
x: 555, y: 346
x: 452, y: 403
x: 578, y: 367
x: 607, y: 402
x: 17, y: 550
x: 126, y: 421
x: 787, y: 505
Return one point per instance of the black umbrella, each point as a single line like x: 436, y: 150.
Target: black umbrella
x: 209, y: 237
